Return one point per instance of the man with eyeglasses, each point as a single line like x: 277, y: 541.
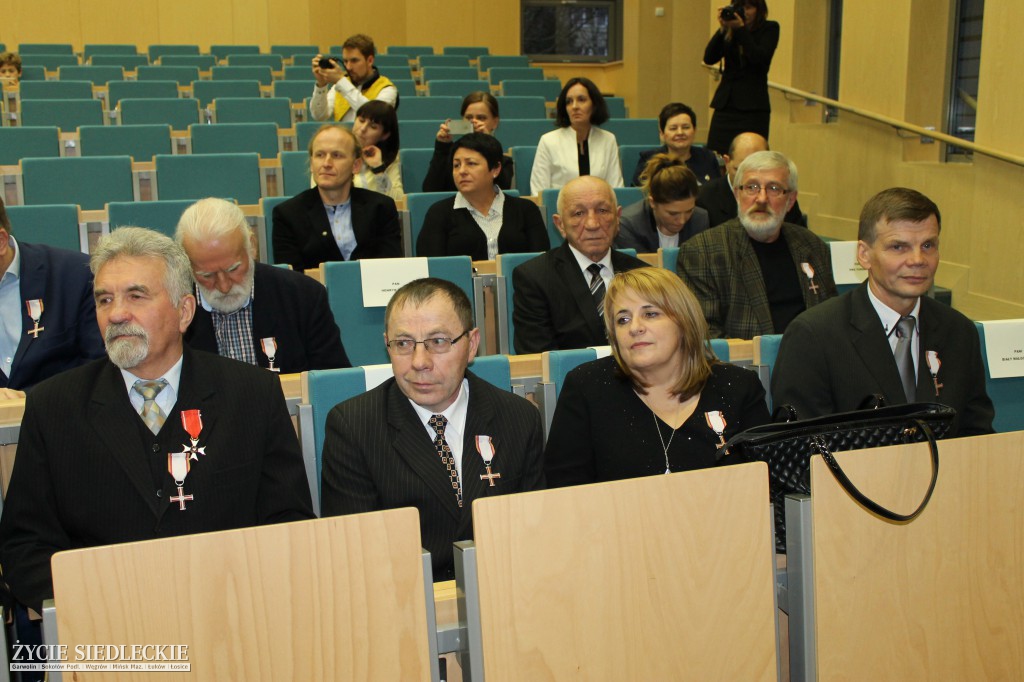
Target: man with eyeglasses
x: 755, y: 273
x: 435, y: 436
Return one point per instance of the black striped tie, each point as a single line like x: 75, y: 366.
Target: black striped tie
x: 597, y: 287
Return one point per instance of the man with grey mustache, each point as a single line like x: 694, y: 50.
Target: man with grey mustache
x: 156, y: 440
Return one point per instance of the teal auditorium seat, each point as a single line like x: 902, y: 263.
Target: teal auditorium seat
x: 260, y: 74
x: 473, y: 52
x: 616, y: 107
x: 51, y: 224
x: 386, y: 61
x: 398, y: 73
x: 182, y: 75
x: 487, y: 62
x: 506, y: 263
x: 177, y: 113
x: 523, y: 132
x: 65, y: 114
x: 90, y: 182
x: 1007, y: 394
x: 458, y: 88
x: 328, y: 387
x: 415, y: 163
x: 629, y: 157
x: 158, y: 51
x: 267, y: 206
x: 436, y: 109
x: 203, y: 62
x: 521, y: 107
x: 548, y: 89
x: 300, y: 72
x: 17, y: 143
x: 195, y: 176
x: 55, y: 90
x: 295, y: 91
x: 99, y: 49
x: 766, y: 352
x: 31, y: 74
x: 634, y: 131
x: 449, y: 73
x: 276, y: 110
x: 289, y: 51
x: 419, y: 134
x: 97, y: 75
x: 408, y: 51
x: 50, y: 62
x: 140, y: 142
x: 118, y: 90
x: 45, y: 48
x: 304, y: 131
x: 225, y: 51
x: 628, y: 195
x: 162, y: 216
x: 207, y: 91
x: 442, y: 60
x: 406, y: 90
x: 497, y: 74
x: 295, y: 172
x: 522, y: 160
x: 416, y: 205
x: 362, y: 328
x: 228, y: 138
x: 274, y: 61
x: 128, y: 62
x: 669, y: 256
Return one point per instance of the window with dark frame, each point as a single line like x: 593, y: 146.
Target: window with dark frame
x: 963, y: 95
x: 835, y: 46
x: 577, y: 31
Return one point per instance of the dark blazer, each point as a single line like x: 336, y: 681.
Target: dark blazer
x: 552, y: 306
x: 721, y: 268
x: 70, y: 336
x: 744, y: 84
x: 439, y: 173
x: 302, y: 233
x: 637, y: 229
x: 702, y: 162
x: 377, y: 455
x: 717, y: 199
x: 602, y: 431
x: 450, y: 232
x: 836, y: 354
x: 88, y: 472
x: 293, y: 309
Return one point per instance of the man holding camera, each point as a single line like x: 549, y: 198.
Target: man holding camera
x: 342, y: 88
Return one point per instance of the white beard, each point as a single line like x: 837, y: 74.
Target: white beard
x: 130, y: 352
x: 235, y: 298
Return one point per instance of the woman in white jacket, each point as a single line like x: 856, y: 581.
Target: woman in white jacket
x: 578, y: 147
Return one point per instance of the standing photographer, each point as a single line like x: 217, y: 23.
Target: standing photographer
x: 746, y: 40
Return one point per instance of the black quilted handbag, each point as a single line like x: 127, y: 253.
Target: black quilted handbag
x: 787, y: 449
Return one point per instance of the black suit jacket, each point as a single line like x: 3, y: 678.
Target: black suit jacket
x: 377, y: 455
x: 748, y: 56
x: 717, y: 199
x: 86, y: 474
x: 293, y: 309
x: 552, y: 306
x: 302, y: 234
x: 836, y: 354
x: 448, y: 231
x: 439, y: 173
x: 70, y: 335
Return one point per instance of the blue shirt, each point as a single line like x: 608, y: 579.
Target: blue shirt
x: 341, y: 227
x: 10, y: 310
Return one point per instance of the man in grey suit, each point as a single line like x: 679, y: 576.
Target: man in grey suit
x: 558, y: 295
x: 886, y: 336
x: 434, y: 436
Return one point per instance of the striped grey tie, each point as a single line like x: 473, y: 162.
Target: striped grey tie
x: 597, y: 287
x: 151, y: 413
x: 904, y: 358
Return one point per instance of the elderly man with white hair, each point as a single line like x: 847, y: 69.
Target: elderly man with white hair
x: 755, y: 273
x: 250, y: 311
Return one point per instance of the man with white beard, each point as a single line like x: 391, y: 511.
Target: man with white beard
x: 755, y: 273
x: 249, y: 311
x: 159, y: 440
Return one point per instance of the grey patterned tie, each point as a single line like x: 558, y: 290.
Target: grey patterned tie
x: 438, y: 422
x: 151, y: 412
x: 597, y: 287
x: 904, y: 358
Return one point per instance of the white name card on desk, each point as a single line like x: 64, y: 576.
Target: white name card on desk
x: 1004, y: 344
x: 382, y: 277
x: 845, y: 268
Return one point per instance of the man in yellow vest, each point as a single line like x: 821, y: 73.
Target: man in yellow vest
x: 343, y: 88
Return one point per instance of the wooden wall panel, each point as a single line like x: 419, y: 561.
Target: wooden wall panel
x: 873, y: 70
x: 133, y: 24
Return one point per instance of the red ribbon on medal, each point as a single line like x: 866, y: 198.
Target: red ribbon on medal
x: 192, y: 421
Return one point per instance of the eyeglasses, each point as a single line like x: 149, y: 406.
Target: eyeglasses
x: 752, y: 189
x: 435, y: 344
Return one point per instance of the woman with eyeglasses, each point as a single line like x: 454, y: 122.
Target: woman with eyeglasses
x: 480, y: 109
x: 661, y: 402
x: 746, y: 41
x: 579, y: 146
x: 481, y: 220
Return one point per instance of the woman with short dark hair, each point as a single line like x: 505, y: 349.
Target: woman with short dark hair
x: 579, y: 146
x: 481, y: 109
x: 677, y: 127
x: 376, y: 130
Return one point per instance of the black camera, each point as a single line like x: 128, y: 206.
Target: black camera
x: 730, y: 12
x: 326, y: 62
